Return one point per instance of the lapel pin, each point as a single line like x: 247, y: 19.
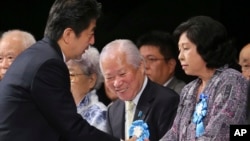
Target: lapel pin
x: 140, y: 114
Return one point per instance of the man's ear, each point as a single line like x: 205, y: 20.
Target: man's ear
x: 142, y: 66
x: 172, y: 63
x: 92, y: 80
x: 67, y: 35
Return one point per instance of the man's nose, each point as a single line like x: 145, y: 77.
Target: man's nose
x: 117, y: 82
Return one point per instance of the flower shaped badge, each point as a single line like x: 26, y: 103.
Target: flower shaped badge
x: 139, y: 129
x: 199, y: 114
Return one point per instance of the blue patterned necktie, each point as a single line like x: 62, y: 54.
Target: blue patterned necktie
x: 199, y: 114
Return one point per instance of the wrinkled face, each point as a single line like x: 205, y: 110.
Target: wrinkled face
x: 122, y: 78
x: 81, y: 43
x: 81, y: 83
x: 10, y: 48
x: 158, y: 69
x: 191, y: 61
x: 244, y: 61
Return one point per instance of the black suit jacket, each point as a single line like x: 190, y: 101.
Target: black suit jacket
x: 157, y: 106
x: 35, y: 100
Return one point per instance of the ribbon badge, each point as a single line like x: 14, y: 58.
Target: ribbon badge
x: 199, y: 114
x: 139, y: 129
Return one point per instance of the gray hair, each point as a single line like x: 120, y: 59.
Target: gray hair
x: 89, y: 64
x: 126, y: 46
x: 27, y: 38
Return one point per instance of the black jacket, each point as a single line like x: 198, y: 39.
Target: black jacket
x: 35, y: 99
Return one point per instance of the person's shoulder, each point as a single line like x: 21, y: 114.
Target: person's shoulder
x: 164, y: 96
x: 231, y: 75
x: 179, y: 81
x: 158, y: 88
x: 115, y: 104
x: 44, y: 47
x: 231, y: 71
x: 162, y: 92
x: 190, y: 84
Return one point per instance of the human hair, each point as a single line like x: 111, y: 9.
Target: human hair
x: 125, y: 46
x: 89, y: 64
x: 211, y: 40
x: 74, y: 14
x: 26, y: 38
x: 1, y: 33
x: 162, y: 40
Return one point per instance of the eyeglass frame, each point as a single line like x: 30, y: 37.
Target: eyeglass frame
x: 74, y: 76
x: 154, y: 59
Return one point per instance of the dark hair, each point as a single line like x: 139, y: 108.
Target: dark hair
x: 211, y: 39
x: 75, y: 14
x: 162, y: 40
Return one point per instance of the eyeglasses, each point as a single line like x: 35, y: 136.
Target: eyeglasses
x: 151, y: 60
x: 74, y: 77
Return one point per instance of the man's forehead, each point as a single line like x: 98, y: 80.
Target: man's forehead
x: 7, y: 52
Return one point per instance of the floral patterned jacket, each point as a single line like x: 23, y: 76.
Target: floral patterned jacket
x: 227, y: 95
x: 94, y: 111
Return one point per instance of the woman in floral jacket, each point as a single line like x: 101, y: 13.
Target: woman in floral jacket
x: 217, y: 98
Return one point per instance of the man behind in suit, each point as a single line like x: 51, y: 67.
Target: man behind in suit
x: 35, y: 99
x: 160, y: 53
x: 124, y: 74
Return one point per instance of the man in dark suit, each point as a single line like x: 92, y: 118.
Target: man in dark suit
x: 160, y: 54
x: 124, y: 73
x: 35, y: 99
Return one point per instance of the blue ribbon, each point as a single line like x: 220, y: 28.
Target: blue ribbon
x: 199, y: 114
x: 142, y: 126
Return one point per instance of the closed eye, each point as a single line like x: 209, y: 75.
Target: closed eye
x: 122, y: 74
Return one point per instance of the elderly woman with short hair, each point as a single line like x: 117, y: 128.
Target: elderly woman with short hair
x: 86, y: 78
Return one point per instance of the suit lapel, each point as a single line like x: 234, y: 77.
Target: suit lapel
x: 119, y: 119
x: 122, y: 119
x: 144, y: 103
